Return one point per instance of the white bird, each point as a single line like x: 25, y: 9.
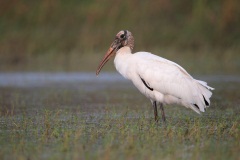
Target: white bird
x: 162, y: 81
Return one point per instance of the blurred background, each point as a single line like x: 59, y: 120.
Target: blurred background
x: 73, y: 35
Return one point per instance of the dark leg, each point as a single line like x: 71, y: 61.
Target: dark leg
x: 155, y: 111
x: 163, y: 114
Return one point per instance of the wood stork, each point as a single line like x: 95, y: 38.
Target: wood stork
x: 160, y: 80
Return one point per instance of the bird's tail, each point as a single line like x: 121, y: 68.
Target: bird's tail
x: 204, y: 96
x: 202, y: 101
x: 204, y: 84
x: 206, y: 92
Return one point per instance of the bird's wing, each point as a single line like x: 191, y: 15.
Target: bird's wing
x: 166, y: 77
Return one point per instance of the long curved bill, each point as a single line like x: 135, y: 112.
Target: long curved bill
x: 111, y: 51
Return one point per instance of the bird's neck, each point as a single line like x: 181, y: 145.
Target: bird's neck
x: 124, y: 50
x: 121, y: 60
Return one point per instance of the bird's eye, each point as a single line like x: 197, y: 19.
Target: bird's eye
x: 122, y: 36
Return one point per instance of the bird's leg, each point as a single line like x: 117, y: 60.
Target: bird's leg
x: 163, y: 114
x: 155, y: 111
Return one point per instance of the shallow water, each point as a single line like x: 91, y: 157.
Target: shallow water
x: 35, y: 106
x: 34, y: 79
x: 33, y: 91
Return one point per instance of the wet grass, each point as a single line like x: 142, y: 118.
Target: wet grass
x: 114, y: 122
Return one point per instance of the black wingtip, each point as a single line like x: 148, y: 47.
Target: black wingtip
x: 146, y: 84
x: 206, y: 102
x: 196, y: 105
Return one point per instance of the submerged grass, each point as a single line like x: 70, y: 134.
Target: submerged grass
x: 61, y: 123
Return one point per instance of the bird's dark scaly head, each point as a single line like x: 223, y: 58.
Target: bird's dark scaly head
x: 122, y: 39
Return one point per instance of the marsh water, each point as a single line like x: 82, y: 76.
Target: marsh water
x: 87, y: 90
x: 59, y: 115
x: 32, y: 79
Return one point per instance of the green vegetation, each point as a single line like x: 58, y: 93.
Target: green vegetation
x: 73, y: 122
x: 64, y: 35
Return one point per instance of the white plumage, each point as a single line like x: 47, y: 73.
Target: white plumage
x: 159, y: 79
x: 170, y: 82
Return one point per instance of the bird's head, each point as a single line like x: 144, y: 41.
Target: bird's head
x: 122, y: 39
